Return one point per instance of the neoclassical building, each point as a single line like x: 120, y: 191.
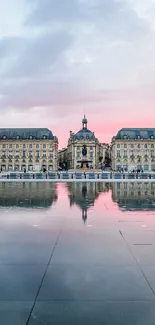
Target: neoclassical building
x: 133, y: 149
x: 28, y: 150
x: 84, y: 150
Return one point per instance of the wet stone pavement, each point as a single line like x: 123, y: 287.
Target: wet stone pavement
x: 77, y: 253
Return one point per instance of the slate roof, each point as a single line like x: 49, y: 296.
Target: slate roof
x: 136, y: 133
x: 26, y: 133
x: 84, y: 120
x: 84, y: 134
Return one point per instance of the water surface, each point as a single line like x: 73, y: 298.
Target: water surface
x: 77, y: 253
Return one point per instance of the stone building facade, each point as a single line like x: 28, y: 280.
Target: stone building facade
x: 28, y: 150
x: 133, y: 149
x: 84, y: 150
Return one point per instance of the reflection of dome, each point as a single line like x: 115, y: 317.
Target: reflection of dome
x: 83, y: 195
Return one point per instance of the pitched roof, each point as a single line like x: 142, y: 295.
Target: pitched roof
x: 136, y: 133
x: 26, y: 133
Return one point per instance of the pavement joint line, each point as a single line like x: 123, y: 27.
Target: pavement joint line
x: 137, y: 263
x: 42, y: 280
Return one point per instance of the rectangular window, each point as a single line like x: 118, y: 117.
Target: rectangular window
x: 138, y: 145
x: 30, y: 146
x: 152, y: 145
x: 3, y: 146
x: 37, y: 146
x: 125, y: 145
x: 132, y: 146
x: 17, y: 146
x: 44, y: 146
x: 145, y: 146
x: 24, y: 145
x: 153, y: 167
x: 118, y: 154
x: 146, y: 167
x: 51, y: 146
x: 125, y: 186
x: 125, y: 153
x: 91, y: 148
x: 118, y: 186
x: 118, y: 145
x: 10, y: 145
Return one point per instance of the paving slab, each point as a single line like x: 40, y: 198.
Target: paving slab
x: 92, y: 253
x: 109, y: 313
x: 25, y: 254
x: 14, y: 312
x: 87, y: 283
x: 20, y: 282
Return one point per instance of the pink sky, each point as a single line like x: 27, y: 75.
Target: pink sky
x: 59, y: 59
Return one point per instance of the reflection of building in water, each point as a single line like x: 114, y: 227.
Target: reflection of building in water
x: 85, y: 194
x: 28, y: 195
x: 134, y: 196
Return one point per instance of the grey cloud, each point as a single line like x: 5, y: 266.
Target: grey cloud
x: 11, y: 45
x: 49, y: 94
x: 40, y: 54
x: 109, y: 16
x: 51, y: 10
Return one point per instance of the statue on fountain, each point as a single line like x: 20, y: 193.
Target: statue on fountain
x: 84, y: 151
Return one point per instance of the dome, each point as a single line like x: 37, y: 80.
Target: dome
x: 84, y: 120
x: 84, y: 134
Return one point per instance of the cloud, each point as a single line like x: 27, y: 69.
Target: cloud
x: 41, y: 53
x: 59, y: 58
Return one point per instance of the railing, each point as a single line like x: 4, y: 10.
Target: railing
x: 77, y: 175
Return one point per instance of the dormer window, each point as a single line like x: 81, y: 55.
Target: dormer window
x: 44, y: 137
x: 4, y: 137
x: 125, y: 136
x: 18, y: 137
x: 31, y: 137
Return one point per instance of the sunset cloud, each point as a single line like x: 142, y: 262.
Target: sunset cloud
x: 61, y: 58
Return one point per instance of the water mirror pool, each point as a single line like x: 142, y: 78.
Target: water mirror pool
x: 77, y: 253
